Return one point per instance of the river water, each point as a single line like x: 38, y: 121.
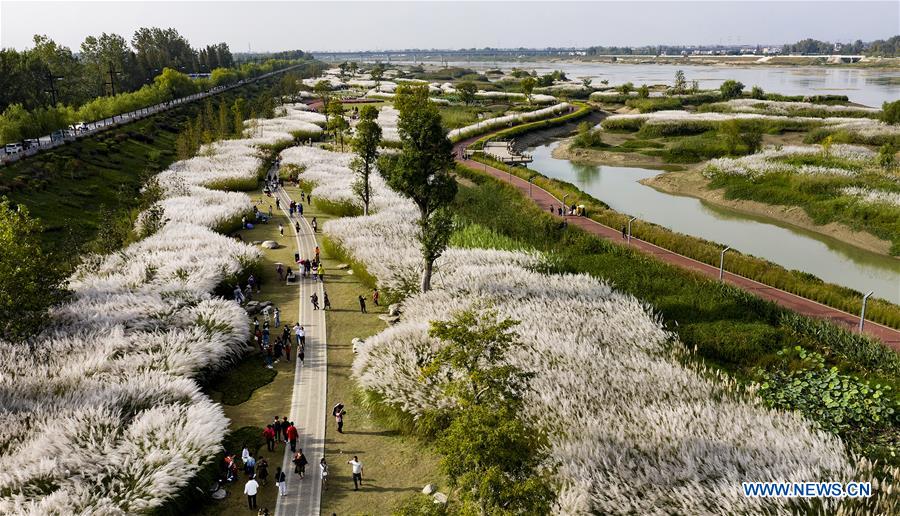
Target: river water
x: 788, y: 246
x: 865, y: 86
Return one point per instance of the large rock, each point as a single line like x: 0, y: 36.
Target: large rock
x: 390, y: 319
x: 270, y: 244
x: 342, y: 267
x: 440, y: 498
x: 394, y: 309
x: 429, y: 489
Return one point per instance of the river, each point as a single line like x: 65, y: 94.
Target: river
x: 791, y: 247
x: 866, y: 86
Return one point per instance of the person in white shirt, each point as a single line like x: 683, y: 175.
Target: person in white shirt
x: 356, y: 466
x: 250, y: 489
x: 323, y: 470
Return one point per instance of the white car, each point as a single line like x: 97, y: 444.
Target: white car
x: 13, y: 148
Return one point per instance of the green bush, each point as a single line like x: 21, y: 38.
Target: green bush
x: 890, y: 112
x: 838, y: 402
x: 648, y: 105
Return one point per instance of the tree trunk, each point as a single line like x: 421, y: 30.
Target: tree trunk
x: 426, y: 276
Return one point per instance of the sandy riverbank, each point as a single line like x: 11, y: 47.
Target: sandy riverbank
x: 616, y: 159
x: 692, y: 183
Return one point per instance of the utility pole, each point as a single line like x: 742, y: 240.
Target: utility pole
x: 51, y: 79
x: 112, y: 79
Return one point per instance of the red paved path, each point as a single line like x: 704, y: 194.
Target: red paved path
x: 801, y: 305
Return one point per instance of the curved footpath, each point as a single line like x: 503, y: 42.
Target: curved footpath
x: 308, y: 403
x: 801, y: 305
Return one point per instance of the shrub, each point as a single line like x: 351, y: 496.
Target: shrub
x: 890, y: 112
x: 731, y: 89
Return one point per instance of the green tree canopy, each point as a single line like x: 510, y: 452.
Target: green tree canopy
x: 731, y: 89
x: 467, y: 91
x: 31, y: 281
x: 365, y: 145
x: 421, y: 171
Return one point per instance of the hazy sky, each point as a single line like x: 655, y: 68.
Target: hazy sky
x: 383, y: 25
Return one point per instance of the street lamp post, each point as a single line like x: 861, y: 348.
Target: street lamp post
x: 862, y: 314
x: 565, y: 207
x: 632, y: 219
x: 722, y: 263
x: 530, y: 183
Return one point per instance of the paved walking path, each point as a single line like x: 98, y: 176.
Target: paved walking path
x: 308, y: 403
x: 544, y: 199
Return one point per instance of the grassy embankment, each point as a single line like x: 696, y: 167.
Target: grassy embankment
x: 80, y: 187
x: 761, y: 270
x: 796, y: 282
x: 730, y: 329
x: 823, y: 196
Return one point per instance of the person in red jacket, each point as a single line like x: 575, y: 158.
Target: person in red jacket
x: 269, y: 434
x: 291, y: 434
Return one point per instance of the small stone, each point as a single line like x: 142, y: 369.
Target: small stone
x: 343, y: 266
x: 350, y: 271
x: 270, y: 244
x: 440, y: 498
x: 394, y: 309
x: 219, y: 494
x: 429, y: 489
x: 257, y: 242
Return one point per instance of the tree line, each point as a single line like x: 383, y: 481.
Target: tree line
x: 881, y: 47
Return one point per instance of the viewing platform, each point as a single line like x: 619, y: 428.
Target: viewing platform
x: 503, y: 151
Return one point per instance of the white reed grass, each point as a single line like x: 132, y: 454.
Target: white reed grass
x: 507, y: 120
x: 103, y: 415
x: 619, y: 407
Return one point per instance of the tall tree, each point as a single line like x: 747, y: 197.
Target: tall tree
x: 528, y: 84
x: 680, y: 82
x: 337, y: 123
x: 421, y: 172
x: 323, y: 90
x: 31, y: 281
x: 365, y: 145
x: 467, y: 91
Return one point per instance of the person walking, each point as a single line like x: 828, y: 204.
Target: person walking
x: 315, y: 225
x: 250, y: 489
x: 314, y: 299
x: 300, y: 354
x: 362, y: 304
x: 327, y: 303
x: 280, y: 481
x: 624, y: 233
x: 317, y: 253
x: 262, y: 470
x: 375, y: 296
x: 323, y: 472
x: 301, y: 336
x: 356, y: 468
x: 269, y: 434
x: 320, y: 272
x: 287, y: 349
x: 276, y: 425
x: 277, y: 315
x: 292, y: 436
x: 300, y: 463
x: 250, y: 466
x: 281, y: 229
x: 338, y: 412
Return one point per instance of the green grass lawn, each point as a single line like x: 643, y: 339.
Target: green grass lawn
x: 395, y: 465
